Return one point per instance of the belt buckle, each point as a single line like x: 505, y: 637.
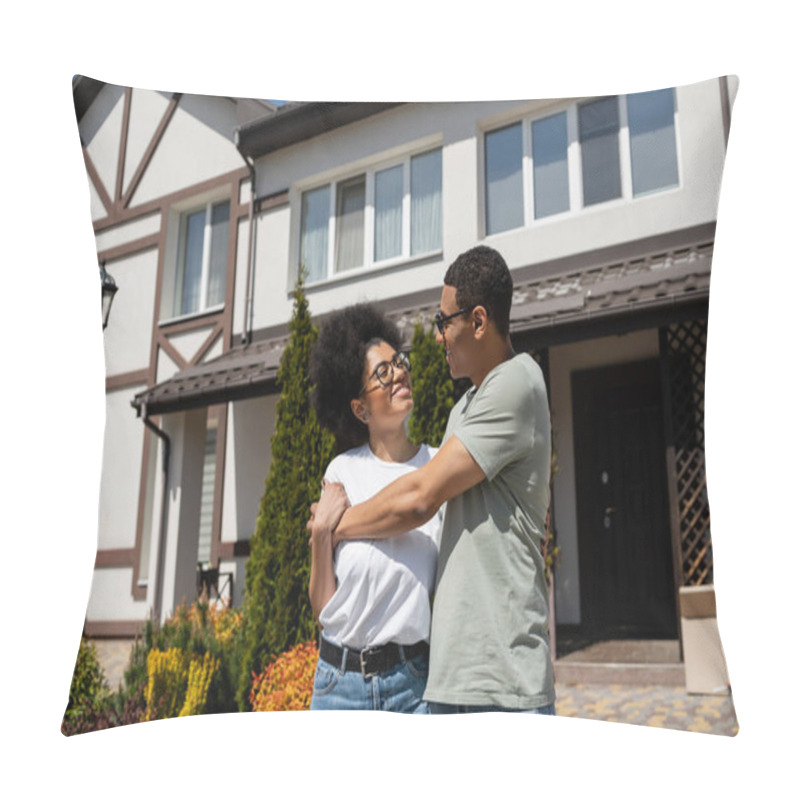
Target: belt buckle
x: 367, y: 651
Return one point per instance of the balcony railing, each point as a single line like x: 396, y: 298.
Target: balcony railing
x: 214, y: 585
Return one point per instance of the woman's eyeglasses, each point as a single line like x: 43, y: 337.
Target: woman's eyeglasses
x: 384, y: 372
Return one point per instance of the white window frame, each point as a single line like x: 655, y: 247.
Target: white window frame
x: 180, y: 266
x: 370, y: 263
x: 574, y: 163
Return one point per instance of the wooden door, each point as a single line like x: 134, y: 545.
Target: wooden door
x: 624, y: 552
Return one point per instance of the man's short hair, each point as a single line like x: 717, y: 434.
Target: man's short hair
x: 481, y: 278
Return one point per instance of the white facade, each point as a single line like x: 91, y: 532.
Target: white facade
x: 193, y: 163
x: 151, y: 158
x: 458, y: 128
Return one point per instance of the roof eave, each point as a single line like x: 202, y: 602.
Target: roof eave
x: 538, y: 326
x: 84, y: 92
x: 299, y: 123
x: 203, y: 399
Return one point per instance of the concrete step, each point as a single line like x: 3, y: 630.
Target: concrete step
x: 632, y: 662
x: 625, y: 673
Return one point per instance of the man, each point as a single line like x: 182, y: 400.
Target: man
x: 489, y: 644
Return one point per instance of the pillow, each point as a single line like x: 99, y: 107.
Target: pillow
x: 205, y: 208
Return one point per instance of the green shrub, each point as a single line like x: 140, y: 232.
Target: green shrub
x: 88, y: 690
x: 196, y: 631
x: 277, y: 611
x: 435, y: 392
x: 204, y: 637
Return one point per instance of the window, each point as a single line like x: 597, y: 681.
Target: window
x: 426, y: 203
x: 606, y: 149
x: 504, y: 204
x: 389, y: 213
x: 374, y: 217
x: 207, y: 495
x: 314, y: 236
x: 202, y: 259
x: 598, y: 125
x: 654, y: 156
x: 550, y: 169
x: 350, y: 202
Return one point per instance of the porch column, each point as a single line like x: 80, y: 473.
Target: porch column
x: 187, y: 432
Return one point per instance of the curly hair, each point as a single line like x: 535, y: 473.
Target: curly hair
x: 336, y: 367
x: 481, y: 277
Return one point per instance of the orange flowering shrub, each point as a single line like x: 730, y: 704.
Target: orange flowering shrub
x: 287, y: 682
x: 225, y: 623
x: 220, y: 621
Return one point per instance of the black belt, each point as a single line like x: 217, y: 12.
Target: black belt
x: 371, y: 660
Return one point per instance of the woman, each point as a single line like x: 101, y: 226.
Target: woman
x: 371, y: 598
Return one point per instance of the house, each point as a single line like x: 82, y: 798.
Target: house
x: 204, y: 208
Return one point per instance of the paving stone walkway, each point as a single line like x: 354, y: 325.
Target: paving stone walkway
x: 657, y: 706
x: 114, y: 656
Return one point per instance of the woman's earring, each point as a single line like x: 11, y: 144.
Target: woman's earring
x: 365, y: 416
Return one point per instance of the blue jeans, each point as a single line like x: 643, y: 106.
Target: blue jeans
x: 398, y: 689
x: 446, y: 708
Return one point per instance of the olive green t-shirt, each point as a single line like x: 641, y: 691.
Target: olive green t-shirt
x: 489, y: 641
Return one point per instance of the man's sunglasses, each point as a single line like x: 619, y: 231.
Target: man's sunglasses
x: 440, y: 319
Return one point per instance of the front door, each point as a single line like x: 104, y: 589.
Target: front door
x: 625, y: 557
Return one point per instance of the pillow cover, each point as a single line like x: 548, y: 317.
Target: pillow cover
x: 204, y: 211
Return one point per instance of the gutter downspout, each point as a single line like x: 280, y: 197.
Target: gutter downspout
x: 162, y: 527
x: 250, y: 245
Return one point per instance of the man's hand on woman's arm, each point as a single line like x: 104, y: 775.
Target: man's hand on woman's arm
x: 413, y: 499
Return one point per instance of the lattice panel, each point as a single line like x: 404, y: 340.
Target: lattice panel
x: 686, y: 342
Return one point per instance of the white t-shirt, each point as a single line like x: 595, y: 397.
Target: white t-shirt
x: 383, y: 587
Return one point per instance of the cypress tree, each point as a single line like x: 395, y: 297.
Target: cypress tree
x: 435, y: 392
x: 277, y: 611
